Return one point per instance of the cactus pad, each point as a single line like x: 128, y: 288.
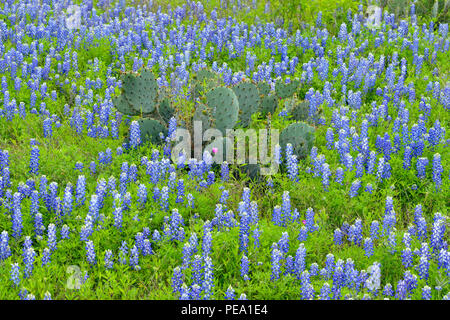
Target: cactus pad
x: 300, y: 111
x: 264, y: 88
x: 268, y: 104
x: 224, y: 107
x: 122, y: 105
x: 301, y: 136
x: 140, y: 92
x: 166, y: 110
x: 248, y: 97
x: 203, y: 113
x: 284, y: 90
x: 150, y: 130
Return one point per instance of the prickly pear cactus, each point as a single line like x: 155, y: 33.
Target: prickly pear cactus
x: 301, y: 136
x: 123, y: 106
x: 301, y: 111
x: 151, y: 130
x: 289, y: 104
x: 263, y: 88
x: 205, y: 75
x: 166, y: 110
x: 224, y: 107
x: 203, y: 113
x: 268, y: 104
x: 204, y: 80
x: 284, y: 90
x: 248, y: 97
x: 139, y: 93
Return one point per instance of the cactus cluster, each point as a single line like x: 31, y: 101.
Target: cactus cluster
x: 217, y: 107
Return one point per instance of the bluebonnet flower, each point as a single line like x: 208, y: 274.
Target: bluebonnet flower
x: 16, y: 217
x: 207, y: 244
x: 426, y: 293
x: 325, y: 291
x: 47, y: 126
x: 303, y: 234
x: 309, y: 220
x: 46, y: 255
x: 339, y: 175
x: 283, y: 243
x: 177, y: 280
x: 180, y: 191
x: 244, y: 267
x: 338, y: 235
x: 135, y: 134
x: 314, y: 269
x: 438, y: 235
x: 421, y: 167
x: 134, y: 258
x: 38, y: 225
x: 437, y: 170
x: 407, y: 239
x: 147, y: 247
x: 368, y: 247
x: 190, y: 199
x: 15, y: 274
x: 208, y: 282
x: 354, y: 188
x: 387, y: 290
x: 80, y: 197
x: 51, y: 236
x: 417, y: 214
x: 407, y: 157
x: 142, y: 195
x: 90, y: 252
x: 423, y: 267
x: 330, y: 138
x: 392, y: 241
x: 422, y: 229
x: 34, y: 160
x: 79, y: 166
x: 299, y: 261
x: 292, y: 168
x: 29, y: 257
x: 117, y: 213
x: 329, y: 265
x: 277, y: 154
x: 407, y: 257
x: 197, y: 270
x: 276, y: 216
x: 306, y: 287
x: 67, y: 201
x: 326, y: 173
x: 230, y: 293
x: 123, y: 252
x: 276, y: 264
x: 108, y: 259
